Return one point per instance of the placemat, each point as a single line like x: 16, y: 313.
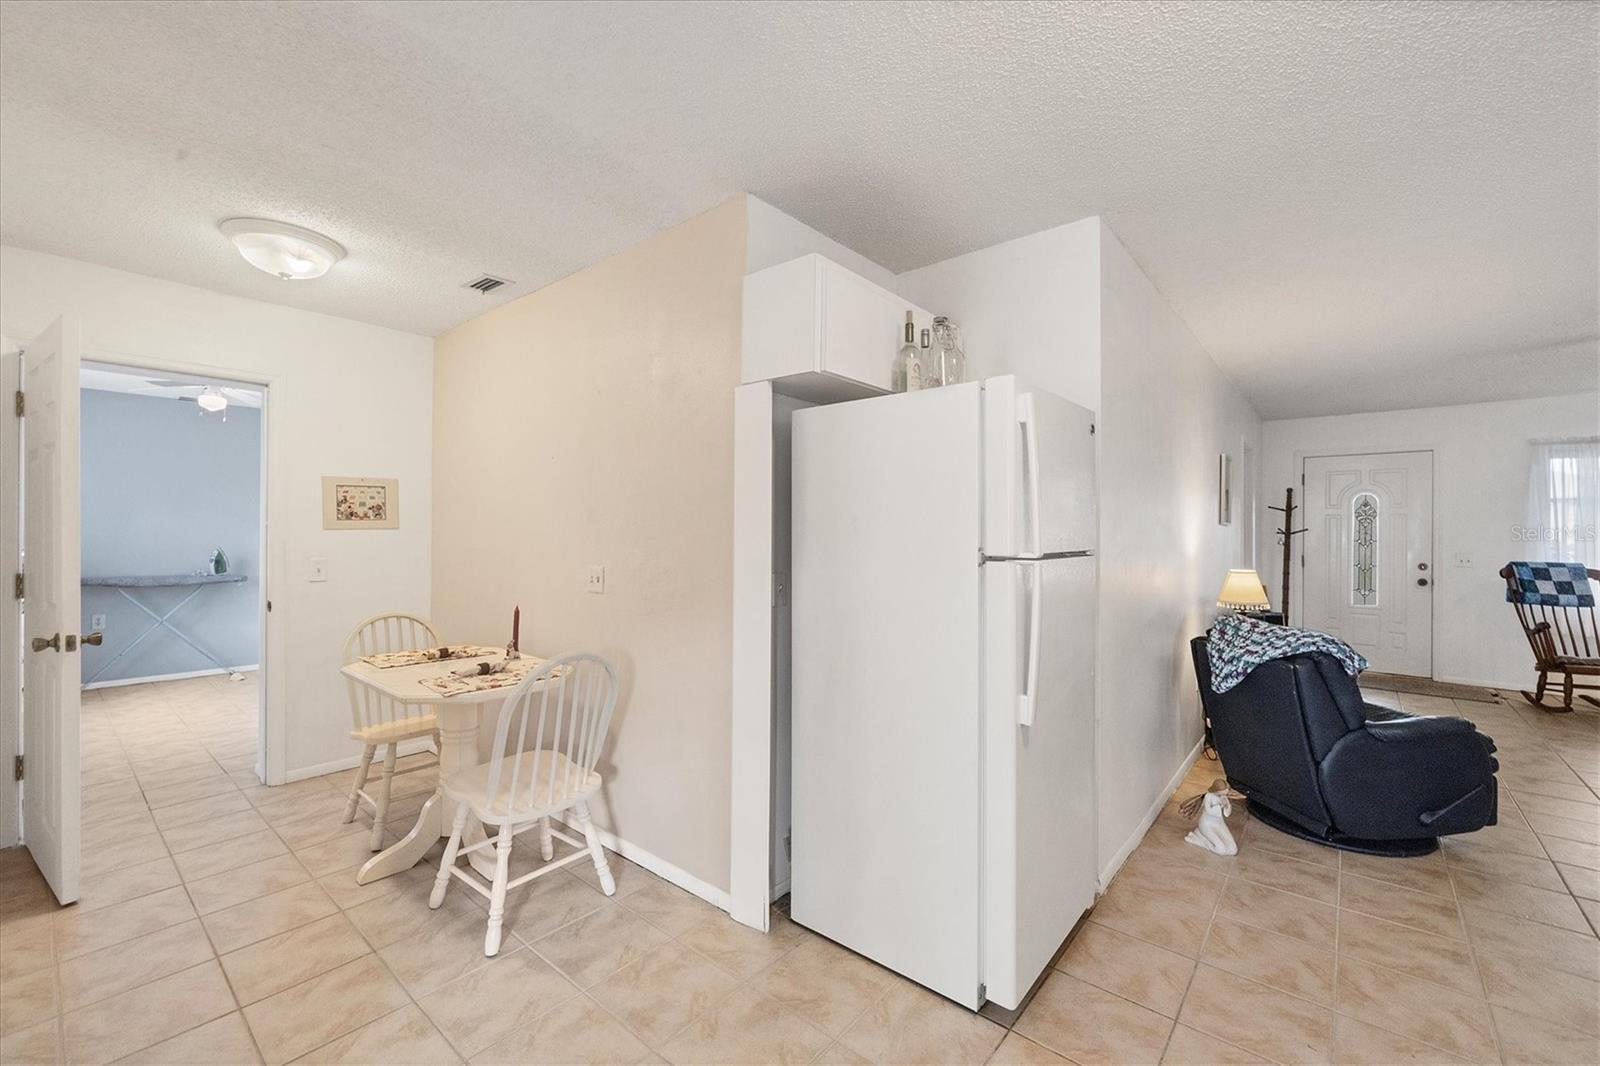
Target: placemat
x: 512, y: 675
x: 390, y: 659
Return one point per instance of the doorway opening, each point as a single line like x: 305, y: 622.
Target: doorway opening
x: 173, y: 537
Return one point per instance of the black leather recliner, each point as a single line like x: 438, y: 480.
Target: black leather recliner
x: 1317, y: 762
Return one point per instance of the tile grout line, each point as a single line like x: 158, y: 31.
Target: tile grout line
x: 1483, y: 982
x: 215, y: 957
x: 1216, y: 906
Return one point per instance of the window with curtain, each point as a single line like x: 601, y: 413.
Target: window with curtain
x: 1564, y: 501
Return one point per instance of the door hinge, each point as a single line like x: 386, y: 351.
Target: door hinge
x: 20, y: 403
x: 16, y: 587
x: 17, y: 768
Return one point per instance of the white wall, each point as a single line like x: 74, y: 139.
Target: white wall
x: 1027, y: 307
x: 772, y: 237
x: 346, y: 398
x: 1069, y: 310
x: 1481, y: 454
x: 591, y: 423
x: 1166, y: 411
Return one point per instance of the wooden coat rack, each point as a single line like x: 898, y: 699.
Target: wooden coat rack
x: 1286, y: 535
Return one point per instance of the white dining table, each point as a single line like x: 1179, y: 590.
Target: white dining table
x: 459, y: 719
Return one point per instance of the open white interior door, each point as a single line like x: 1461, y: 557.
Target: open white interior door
x: 51, y: 802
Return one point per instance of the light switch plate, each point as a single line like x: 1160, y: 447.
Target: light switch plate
x: 317, y: 568
x: 597, y: 580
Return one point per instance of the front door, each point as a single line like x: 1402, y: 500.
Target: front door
x: 1368, y: 561
x: 51, y: 804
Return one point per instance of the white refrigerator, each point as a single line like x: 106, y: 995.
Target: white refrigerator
x: 943, y: 603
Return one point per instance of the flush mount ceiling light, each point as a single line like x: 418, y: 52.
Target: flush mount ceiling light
x: 292, y: 253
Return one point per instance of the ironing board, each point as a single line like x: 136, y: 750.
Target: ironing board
x: 124, y: 583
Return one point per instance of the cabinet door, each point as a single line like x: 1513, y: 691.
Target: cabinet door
x: 862, y: 328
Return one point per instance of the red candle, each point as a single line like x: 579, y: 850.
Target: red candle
x: 516, y: 627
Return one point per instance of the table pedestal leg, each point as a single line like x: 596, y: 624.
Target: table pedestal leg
x: 458, y: 730
x: 402, y: 856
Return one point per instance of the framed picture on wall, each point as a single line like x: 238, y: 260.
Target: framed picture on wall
x: 360, y: 503
x: 1224, y: 489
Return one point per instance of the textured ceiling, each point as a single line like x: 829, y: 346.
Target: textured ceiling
x: 1355, y: 206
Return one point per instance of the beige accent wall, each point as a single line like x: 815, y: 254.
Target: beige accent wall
x: 590, y: 423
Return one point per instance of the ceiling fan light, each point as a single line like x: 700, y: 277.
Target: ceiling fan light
x: 212, y: 401
x: 285, y: 251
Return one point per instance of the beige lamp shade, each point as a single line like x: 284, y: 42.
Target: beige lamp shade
x: 1242, y: 590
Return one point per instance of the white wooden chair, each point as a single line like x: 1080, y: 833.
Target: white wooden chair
x: 554, y: 724
x: 378, y: 721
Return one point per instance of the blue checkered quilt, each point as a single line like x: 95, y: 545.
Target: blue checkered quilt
x: 1237, y: 645
x: 1550, y: 585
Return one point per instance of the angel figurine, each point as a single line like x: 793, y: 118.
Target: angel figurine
x: 1214, y: 805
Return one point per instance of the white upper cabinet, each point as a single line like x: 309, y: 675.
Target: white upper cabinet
x: 821, y: 332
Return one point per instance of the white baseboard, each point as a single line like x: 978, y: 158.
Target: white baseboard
x: 1109, y: 871
x: 659, y: 866
x: 153, y: 678
x: 1499, y: 685
x: 406, y: 747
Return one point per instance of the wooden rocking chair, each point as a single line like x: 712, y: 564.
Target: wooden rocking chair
x: 1565, y: 641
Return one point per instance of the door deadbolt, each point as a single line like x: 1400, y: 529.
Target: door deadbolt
x: 1422, y: 581
x: 54, y: 643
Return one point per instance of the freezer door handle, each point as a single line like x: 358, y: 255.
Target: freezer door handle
x: 1030, y: 685
x: 1030, y: 449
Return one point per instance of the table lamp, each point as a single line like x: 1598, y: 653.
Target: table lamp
x: 1242, y: 591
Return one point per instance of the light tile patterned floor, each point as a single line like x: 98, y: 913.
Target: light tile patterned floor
x: 221, y: 923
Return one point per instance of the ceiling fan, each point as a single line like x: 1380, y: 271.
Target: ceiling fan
x: 209, y: 398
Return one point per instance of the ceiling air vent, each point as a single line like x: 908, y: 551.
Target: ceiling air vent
x: 487, y: 283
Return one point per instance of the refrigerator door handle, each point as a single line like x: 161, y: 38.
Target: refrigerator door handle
x: 1030, y: 687
x: 1030, y: 444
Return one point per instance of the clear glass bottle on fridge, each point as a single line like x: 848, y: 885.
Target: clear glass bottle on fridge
x: 930, y: 368
x: 950, y: 362
x: 908, y: 362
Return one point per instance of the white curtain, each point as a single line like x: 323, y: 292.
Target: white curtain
x: 1564, y: 501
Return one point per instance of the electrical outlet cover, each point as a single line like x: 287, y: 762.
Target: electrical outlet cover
x: 597, y: 580
x: 97, y: 621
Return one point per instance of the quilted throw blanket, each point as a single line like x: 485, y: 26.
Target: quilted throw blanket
x: 1550, y: 585
x: 1237, y: 645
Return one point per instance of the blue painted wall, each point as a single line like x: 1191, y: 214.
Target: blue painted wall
x: 163, y: 486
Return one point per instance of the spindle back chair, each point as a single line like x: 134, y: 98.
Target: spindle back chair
x: 552, y: 730
x: 1565, y: 641
x: 378, y: 721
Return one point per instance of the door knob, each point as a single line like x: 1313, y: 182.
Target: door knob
x: 1422, y: 581
x: 40, y: 644
x: 92, y: 638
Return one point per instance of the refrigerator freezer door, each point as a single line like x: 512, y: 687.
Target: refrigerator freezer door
x: 1039, y: 789
x: 1039, y: 493
x: 887, y: 692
